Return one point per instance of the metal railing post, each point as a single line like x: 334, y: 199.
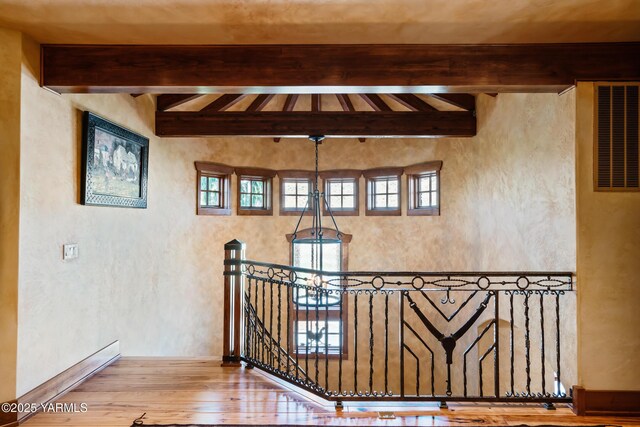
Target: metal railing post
x: 233, y: 255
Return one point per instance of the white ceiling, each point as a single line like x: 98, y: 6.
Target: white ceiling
x: 323, y: 21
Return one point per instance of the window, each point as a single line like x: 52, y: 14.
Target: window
x: 424, y: 188
x: 383, y: 191
x: 341, y: 192
x: 213, y: 183
x: 616, y: 155
x: 324, y: 334
x: 254, y: 191
x: 295, y: 188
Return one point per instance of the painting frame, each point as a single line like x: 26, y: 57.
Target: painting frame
x: 115, y: 164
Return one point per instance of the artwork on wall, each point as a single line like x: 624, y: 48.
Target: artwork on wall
x: 114, y: 164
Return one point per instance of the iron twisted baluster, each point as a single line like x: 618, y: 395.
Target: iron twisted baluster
x: 371, y: 342
x: 527, y: 342
x: 542, y: 362
x: 511, y: 321
x: 386, y: 343
x: 355, y: 344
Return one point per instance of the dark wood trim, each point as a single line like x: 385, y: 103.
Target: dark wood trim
x: 411, y: 101
x: 460, y: 100
x: 296, y: 173
x: 386, y: 171
x: 211, y: 167
x: 165, y: 102
x: 375, y: 102
x: 342, y: 174
x: 483, y: 68
x: 413, y: 174
x: 432, y: 166
x: 290, y: 102
x: 316, y: 102
x: 221, y: 171
x: 267, y: 176
x: 370, y: 175
x: 260, y: 102
x: 65, y: 381
x: 248, y: 171
x: 345, y: 102
x: 9, y: 419
x: 606, y: 402
x: 290, y: 173
x: 223, y: 102
x: 304, y: 123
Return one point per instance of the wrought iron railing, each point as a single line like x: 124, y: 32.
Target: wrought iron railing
x: 498, y: 336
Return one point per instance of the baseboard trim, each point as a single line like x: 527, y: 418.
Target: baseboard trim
x: 66, y: 381
x: 606, y: 402
x: 8, y: 419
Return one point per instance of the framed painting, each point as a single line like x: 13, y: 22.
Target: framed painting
x: 115, y: 164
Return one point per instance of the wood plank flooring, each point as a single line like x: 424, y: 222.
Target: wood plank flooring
x: 198, y: 390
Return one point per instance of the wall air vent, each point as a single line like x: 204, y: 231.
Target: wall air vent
x: 616, y: 154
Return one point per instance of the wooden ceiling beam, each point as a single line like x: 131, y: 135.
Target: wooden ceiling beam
x: 223, y: 102
x: 316, y: 102
x: 164, y: 102
x: 345, y: 102
x: 304, y: 123
x: 290, y: 102
x: 375, y: 102
x: 460, y: 100
x: 411, y: 68
x: 260, y: 102
x: 412, y: 102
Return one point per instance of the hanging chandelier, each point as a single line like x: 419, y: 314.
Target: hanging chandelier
x: 312, y: 294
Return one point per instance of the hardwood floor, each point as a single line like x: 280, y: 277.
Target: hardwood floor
x: 186, y: 391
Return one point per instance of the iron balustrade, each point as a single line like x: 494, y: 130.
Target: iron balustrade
x: 415, y: 336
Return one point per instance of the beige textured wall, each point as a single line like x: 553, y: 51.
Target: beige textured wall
x: 153, y: 278
x: 10, y: 58
x: 608, y: 268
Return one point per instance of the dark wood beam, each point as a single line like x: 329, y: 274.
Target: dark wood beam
x: 460, y: 100
x: 412, y: 102
x: 164, y: 102
x: 316, y: 102
x: 223, y: 102
x: 375, y: 102
x: 345, y: 102
x: 290, y: 102
x: 303, y: 123
x: 260, y: 102
x: 334, y: 68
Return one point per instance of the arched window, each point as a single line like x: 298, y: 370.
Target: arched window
x: 317, y: 324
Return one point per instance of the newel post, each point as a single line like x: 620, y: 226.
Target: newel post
x: 233, y: 255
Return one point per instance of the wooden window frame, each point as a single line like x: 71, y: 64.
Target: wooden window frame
x: 223, y: 173
x: 266, y: 176
x: 414, y: 173
x: 334, y: 314
x: 343, y: 174
x: 285, y: 175
x: 610, y: 188
x: 371, y: 175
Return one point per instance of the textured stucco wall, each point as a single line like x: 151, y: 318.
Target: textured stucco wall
x: 608, y: 267
x: 10, y: 59
x: 153, y: 278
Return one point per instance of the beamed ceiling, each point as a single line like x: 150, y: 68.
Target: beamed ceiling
x: 342, y: 115
x: 411, y: 77
x: 295, y: 67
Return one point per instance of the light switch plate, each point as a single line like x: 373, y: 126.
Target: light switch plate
x: 70, y: 251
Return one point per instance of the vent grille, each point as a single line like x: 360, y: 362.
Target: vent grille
x: 617, y: 138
